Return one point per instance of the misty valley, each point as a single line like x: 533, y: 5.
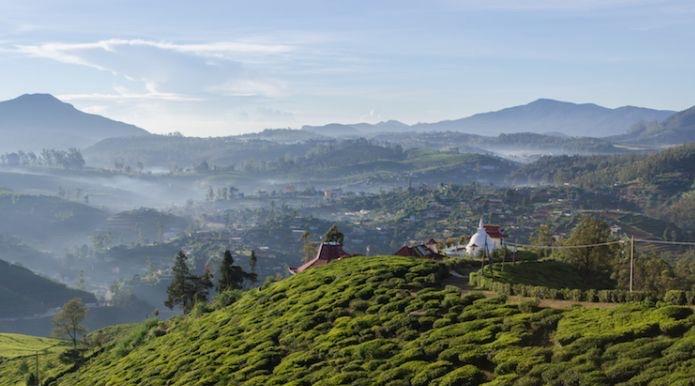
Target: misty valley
x: 105, y: 214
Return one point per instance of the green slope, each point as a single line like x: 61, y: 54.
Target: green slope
x: 24, y: 293
x: 17, y: 356
x: 18, y: 345
x: 388, y: 321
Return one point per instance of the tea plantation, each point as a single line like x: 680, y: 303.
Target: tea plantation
x: 17, y: 356
x: 389, y: 321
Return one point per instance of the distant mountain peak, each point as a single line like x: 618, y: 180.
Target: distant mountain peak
x: 38, y: 96
x: 40, y: 120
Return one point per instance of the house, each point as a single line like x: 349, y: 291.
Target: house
x: 326, y: 253
x: 420, y: 250
x: 486, y: 239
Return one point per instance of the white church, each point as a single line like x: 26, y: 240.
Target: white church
x: 486, y: 240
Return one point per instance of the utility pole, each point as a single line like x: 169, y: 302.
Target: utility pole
x: 632, y: 259
x: 38, y: 379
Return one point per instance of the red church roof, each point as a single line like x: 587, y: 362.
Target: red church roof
x: 494, y: 231
x: 327, y: 252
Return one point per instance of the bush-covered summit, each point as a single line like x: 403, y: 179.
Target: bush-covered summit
x: 390, y: 321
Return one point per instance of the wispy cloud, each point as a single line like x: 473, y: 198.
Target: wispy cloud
x: 182, y: 69
x: 120, y: 94
x: 225, y: 49
x: 74, y: 53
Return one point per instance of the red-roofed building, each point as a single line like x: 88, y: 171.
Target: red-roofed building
x: 420, y: 250
x: 494, y: 231
x: 326, y: 253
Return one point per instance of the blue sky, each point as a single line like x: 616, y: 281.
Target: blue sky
x: 210, y: 68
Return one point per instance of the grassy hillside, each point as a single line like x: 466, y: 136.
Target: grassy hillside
x: 546, y: 273
x: 17, y: 345
x: 388, y: 321
x: 17, y: 356
x: 23, y: 293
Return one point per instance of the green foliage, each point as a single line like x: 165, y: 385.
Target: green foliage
x: 511, y: 279
x: 390, y: 321
x: 591, y: 260
x: 546, y: 273
x: 232, y: 277
x: 17, y: 345
x: 187, y: 289
x: 68, y: 320
x: 333, y: 235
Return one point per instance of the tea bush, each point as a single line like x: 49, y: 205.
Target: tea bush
x: 336, y: 325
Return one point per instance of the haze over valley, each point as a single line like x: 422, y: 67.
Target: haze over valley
x: 457, y: 193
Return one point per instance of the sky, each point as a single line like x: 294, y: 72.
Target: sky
x: 213, y: 68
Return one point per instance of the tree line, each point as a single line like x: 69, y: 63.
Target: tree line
x: 66, y: 159
x: 188, y: 289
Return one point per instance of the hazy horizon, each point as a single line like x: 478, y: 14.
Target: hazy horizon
x: 227, y: 68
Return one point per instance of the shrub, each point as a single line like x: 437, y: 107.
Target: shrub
x: 226, y: 298
x: 463, y: 376
x: 676, y: 297
x: 675, y: 312
x: 529, y: 305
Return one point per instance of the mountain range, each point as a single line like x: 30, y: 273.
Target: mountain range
x: 540, y: 116
x: 37, y: 121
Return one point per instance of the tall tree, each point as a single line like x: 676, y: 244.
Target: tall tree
x: 232, y: 276
x: 543, y: 236
x: 202, y: 285
x: 591, y: 259
x: 67, y: 322
x: 253, y: 261
x: 181, y: 290
x: 334, y: 235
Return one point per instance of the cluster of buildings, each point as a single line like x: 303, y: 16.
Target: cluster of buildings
x: 483, y: 242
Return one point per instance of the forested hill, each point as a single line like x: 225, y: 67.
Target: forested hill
x: 23, y: 293
x: 609, y: 170
x: 677, y: 129
x: 391, y: 321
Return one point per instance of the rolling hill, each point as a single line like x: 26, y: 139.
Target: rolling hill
x: 37, y: 121
x: 677, y: 129
x: 391, y: 321
x: 23, y: 293
x: 47, y: 221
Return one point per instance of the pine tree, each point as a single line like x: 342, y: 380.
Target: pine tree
x: 202, y: 285
x: 232, y: 276
x: 180, y: 291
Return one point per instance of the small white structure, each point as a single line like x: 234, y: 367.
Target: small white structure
x: 486, y: 239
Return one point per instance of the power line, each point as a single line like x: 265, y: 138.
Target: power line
x: 566, y: 246
x: 691, y: 243
x: 666, y: 242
